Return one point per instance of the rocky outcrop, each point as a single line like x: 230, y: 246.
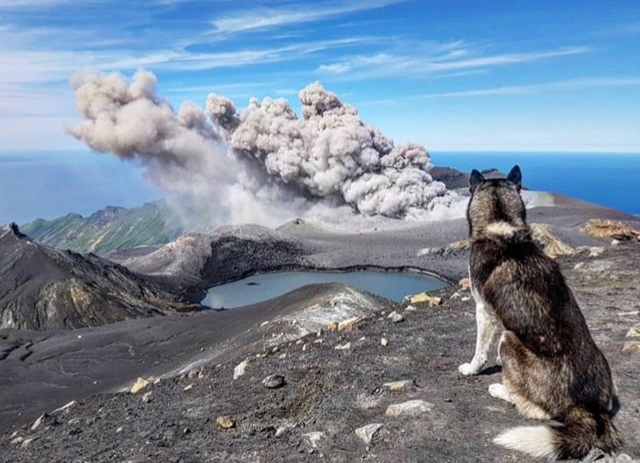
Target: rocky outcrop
x: 45, y: 289
x: 226, y: 253
x: 611, y: 229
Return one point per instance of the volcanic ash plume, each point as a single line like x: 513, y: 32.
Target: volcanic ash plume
x: 263, y: 164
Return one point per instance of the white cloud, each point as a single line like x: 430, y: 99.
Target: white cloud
x: 262, y: 19
x: 573, y: 84
x: 564, y: 85
x: 24, y: 4
x: 442, y: 58
x: 335, y: 68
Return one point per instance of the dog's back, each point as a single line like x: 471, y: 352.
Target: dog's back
x: 552, y: 369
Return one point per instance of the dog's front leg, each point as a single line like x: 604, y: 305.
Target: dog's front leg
x: 486, y: 329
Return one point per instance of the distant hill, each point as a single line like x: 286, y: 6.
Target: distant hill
x: 110, y: 229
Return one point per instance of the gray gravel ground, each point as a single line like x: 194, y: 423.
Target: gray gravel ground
x: 334, y: 392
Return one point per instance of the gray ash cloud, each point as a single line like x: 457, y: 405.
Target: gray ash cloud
x: 263, y: 164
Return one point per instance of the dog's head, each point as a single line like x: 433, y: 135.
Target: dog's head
x: 495, y: 206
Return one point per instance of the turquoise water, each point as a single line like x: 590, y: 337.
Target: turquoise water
x: 394, y: 286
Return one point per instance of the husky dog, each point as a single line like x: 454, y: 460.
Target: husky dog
x: 551, y: 367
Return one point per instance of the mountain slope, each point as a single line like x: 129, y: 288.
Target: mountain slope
x: 110, y: 229
x: 45, y: 289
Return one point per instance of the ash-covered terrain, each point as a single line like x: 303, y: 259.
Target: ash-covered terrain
x: 46, y: 289
x: 334, y: 384
x: 328, y: 397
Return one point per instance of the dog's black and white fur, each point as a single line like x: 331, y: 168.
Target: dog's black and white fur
x: 552, y: 369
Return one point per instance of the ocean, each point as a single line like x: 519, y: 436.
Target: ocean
x: 52, y: 184
x: 608, y: 179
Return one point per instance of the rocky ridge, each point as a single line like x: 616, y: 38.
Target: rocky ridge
x: 46, y: 289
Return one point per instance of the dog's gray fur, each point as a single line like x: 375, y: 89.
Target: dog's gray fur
x: 552, y: 369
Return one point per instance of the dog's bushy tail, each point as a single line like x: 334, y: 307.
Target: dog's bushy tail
x: 581, y: 431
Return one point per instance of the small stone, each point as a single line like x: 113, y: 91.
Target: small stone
x: 240, y: 369
x: 156, y: 381
x: 595, y: 251
x: 615, y: 242
x: 366, y: 432
x: 399, y: 386
x: 634, y: 332
x: 147, y: 397
x: 464, y: 284
x: 274, y: 381
x: 348, y: 324
x: 195, y: 373
x: 313, y: 438
x: 410, y: 408
x: 318, y: 341
x: 631, y: 346
x: 332, y: 326
x: 395, y: 317
x: 578, y: 266
x: 299, y: 341
x: 17, y: 440
x: 225, y: 422
x: 431, y: 301
x: 384, y: 342
x: 343, y: 346
x: 465, y: 299
x: 304, y: 348
x: 66, y: 407
x: 39, y: 421
x: 410, y: 308
x: 281, y: 431
x: 26, y: 442
x: 282, y: 356
x: 119, y: 430
x: 139, y: 385
x: 188, y: 387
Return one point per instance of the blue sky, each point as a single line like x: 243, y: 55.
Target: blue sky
x: 453, y: 75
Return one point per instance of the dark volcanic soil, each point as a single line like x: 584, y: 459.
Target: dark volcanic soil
x: 47, y: 289
x: 335, y: 392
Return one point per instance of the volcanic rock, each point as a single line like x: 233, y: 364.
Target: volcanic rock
x: 408, y: 409
x: 139, y: 385
x: 46, y: 289
x: 367, y: 432
x: 273, y: 381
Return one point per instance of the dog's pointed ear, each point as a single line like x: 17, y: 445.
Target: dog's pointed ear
x: 475, y: 179
x: 515, y: 177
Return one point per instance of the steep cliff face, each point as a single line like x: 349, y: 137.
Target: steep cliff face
x: 45, y: 289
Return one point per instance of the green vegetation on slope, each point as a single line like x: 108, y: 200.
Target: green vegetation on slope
x: 111, y: 229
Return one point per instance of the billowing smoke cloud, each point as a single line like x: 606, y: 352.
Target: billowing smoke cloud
x: 263, y: 164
